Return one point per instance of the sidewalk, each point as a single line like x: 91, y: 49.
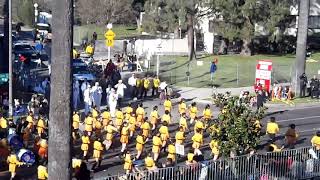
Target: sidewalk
x: 203, y: 95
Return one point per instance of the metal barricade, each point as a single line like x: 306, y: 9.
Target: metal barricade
x: 298, y: 163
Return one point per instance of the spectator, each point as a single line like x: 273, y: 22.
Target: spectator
x: 303, y: 84
x: 120, y: 91
x: 291, y: 136
x: 213, y: 68
x: 132, y: 81
x: 260, y: 99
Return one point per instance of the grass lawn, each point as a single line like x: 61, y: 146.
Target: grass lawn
x: 296, y: 101
x: 80, y: 32
x: 174, y: 68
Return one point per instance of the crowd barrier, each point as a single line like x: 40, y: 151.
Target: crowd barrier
x: 301, y: 163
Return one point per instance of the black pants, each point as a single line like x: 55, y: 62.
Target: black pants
x: 302, y: 91
x: 315, y: 93
x: 133, y: 91
x: 144, y: 92
x: 155, y: 91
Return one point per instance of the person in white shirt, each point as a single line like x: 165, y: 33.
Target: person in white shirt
x: 108, y: 91
x: 132, y: 81
x: 97, y: 95
x: 84, y: 86
x: 120, y: 91
x: 112, y: 102
x: 76, y: 95
x: 87, y: 99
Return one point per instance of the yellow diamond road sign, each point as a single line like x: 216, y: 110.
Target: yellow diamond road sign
x: 109, y: 35
x: 109, y: 43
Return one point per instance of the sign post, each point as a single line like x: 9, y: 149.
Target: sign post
x: 109, y: 36
x: 263, y: 73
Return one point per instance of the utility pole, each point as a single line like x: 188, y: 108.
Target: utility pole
x: 302, y: 34
x: 59, y: 151
x: 10, y: 59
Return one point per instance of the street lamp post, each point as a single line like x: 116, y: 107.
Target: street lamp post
x: 10, y: 59
x: 158, y: 55
x: 35, y: 5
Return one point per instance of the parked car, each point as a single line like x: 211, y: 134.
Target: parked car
x: 81, y: 71
x: 26, y: 50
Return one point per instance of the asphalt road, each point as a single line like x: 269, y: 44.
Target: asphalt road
x: 307, y: 121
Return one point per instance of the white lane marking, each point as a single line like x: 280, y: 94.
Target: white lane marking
x: 295, y: 119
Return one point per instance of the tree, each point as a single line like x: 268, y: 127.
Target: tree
x: 60, y: 114
x: 25, y: 12
x: 168, y: 16
x: 137, y: 8
x: 236, y: 129
x: 300, y: 64
x: 237, y: 19
x: 103, y: 12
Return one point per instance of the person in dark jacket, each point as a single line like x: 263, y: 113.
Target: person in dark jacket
x: 260, y: 99
x: 303, y: 84
x: 213, y: 69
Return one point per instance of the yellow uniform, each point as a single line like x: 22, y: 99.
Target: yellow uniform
x: 149, y: 163
x: 214, y: 147
x: 140, y: 143
x: 154, y: 116
x: 146, y: 83
x: 3, y: 123
x: 97, y: 148
x: 272, y: 128
x: 138, y: 83
x: 315, y: 141
x: 145, y: 129
x: 98, y: 125
x: 182, y: 108
x: 190, y: 157
x: 180, y: 137
x: 207, y: 114
x: 30, y: 122
x: 13, y: 163
x: 257, y: 126
x: 156, y: 144
x: 166, y: 118
x: 183, y: 123
x: 140, y: 114
x: 172, y: 152
x: 129, y: 110
x: 124, y: 135
x: 75, y: 121
x: 88, y: 124
x: 89, y: 49
x: 119, y: 119
x: 40, y: 126
x: 42, y: 173
x: 106, y: 116
x: 110, y: 130
x: 275, y: 148
x: 74, y: 53
x: 198, y: 125
x: 193, y: 112
x: 167, y: 105
x: 76, y: 163
x: 95, y: 113
x: 132, y: 123
x: 156, y: 82
x: 197, y: 139
x: 127, y: 162
x: 164, y: 133
x: 85, y: 143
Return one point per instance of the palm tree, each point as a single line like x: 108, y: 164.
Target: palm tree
x: 300, y: 64
x: 61, y: 90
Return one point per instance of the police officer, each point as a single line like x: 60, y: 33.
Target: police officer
x: 303, y: 84
x: 314, y: 85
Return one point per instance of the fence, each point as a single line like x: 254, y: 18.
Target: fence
x: 289, y: 164
x: 232, y: 71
